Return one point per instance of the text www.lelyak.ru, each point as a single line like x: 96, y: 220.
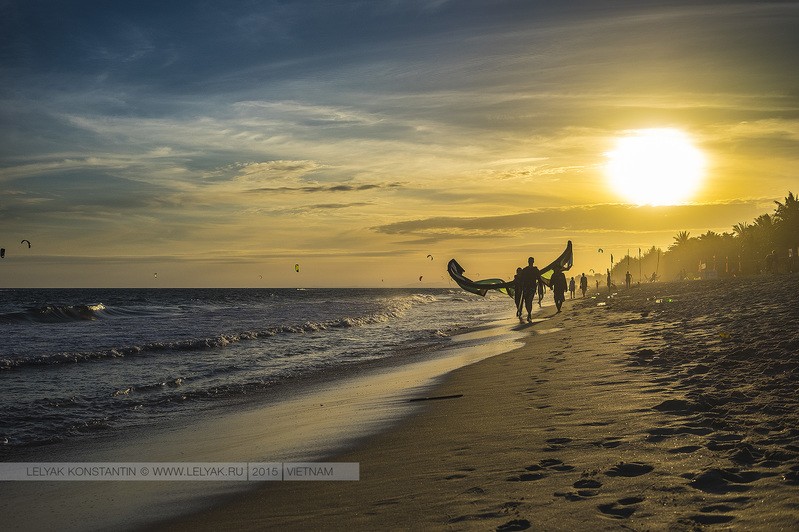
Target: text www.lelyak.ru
x: 170, y: 471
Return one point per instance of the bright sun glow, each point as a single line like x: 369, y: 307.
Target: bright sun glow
x: 655, y: 167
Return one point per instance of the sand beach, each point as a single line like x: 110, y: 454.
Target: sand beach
x: 668, y: 406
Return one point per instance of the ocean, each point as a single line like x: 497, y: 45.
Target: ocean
x: 78, y: 363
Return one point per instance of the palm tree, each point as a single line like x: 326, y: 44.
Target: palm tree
x: 680, y: 241
x: 682, y: 253
x: 786, y: 222
x: 741, y: 229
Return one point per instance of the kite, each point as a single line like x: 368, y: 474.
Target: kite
x: 28, y: 241
x: 600, y: 250
x: 481, y: 287
x: 297, y: 268
x: 420, y: 277
x: 155, y: 275
x: 430, y: 257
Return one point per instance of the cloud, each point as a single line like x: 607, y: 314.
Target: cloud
x: 589, y: 218
x: 327, y: 188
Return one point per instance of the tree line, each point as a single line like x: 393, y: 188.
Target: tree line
x: 769, y: 243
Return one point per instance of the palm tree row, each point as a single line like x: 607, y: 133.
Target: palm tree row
x: 770, y: 242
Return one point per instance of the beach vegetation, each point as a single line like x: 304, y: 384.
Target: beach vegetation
x: 769, y: 243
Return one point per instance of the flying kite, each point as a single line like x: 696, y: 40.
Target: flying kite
x: 600, y: 250
x: 28, y: 241
x: 430, y: 257
x: 481, y: 287
x: 155, y: 275
x: 420, y: 277
x: 297, y: 268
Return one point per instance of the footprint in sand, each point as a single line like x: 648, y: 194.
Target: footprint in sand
x: 622, y: 508
x: 608, y: 443
x: 516, y: 524
x: 539, y: 470
x: 629, y: 469
x: 721, y: 481
x: 685, y: 449
x: 556, y: 444
x: 526, y: 477
x: 586, y: 487
x: 589, y: 483
x: 710, y: 519
x: 555, y: 464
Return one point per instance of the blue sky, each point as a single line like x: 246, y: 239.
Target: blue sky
x: 218, y: 143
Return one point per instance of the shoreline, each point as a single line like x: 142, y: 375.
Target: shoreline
x: 597, y: 421
x: 313, y: 420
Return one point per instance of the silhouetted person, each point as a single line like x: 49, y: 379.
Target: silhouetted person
x: 517, y: 292
x: 597, y: 285
x: 583, y: 284
x: 610, y: 283
x: 530, y: 278
x: 771, y: 262
x: 628, y: 278
x: 572, y: 287
x: 541, y: 290
x: 559, y: 287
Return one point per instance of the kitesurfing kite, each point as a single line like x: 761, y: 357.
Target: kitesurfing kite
x: 481, y: 287
x: 430, y: 257
x: 28, y: 241
x: 297, y: 268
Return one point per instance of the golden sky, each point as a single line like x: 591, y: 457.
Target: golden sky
x: 219, y: 146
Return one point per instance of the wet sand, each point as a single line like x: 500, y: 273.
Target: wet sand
x: 668, y: 406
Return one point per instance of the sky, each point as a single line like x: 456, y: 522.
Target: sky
x: 220, y: 143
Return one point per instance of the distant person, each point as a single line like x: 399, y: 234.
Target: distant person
x: 541, y: 290
x: 517, y: 292
x: 597, y: 285
x: 610, y: 282
x: 583, y: 284
x: 559, y: 287
x: 628, y: 278
x: 530, y: 278
x: 771, y: 262
x: 571, y: 288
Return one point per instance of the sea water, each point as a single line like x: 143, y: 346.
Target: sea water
x: 75, y: 363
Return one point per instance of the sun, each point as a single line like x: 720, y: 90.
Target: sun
x: 655, y: 167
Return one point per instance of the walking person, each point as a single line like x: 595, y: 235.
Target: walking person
x: 530, y: 279
x: 571, y: 288
x: 583, y: 284
x: 559, y: 287
x: 517, y: 292
x: 541, y: 290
